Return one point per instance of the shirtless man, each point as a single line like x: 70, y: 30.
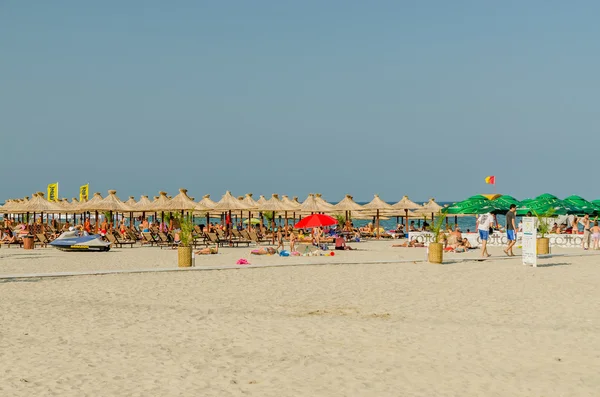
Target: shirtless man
x: 292, y: 241
x: 586, y: 232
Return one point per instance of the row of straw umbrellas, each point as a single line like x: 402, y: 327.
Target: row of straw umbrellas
x: 242, y: 205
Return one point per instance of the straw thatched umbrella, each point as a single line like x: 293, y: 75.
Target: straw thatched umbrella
x: 274, y: 204
x: 312, y: 205
x: 88, y: 206
x: 329, y: 207
x: 40, y: 205
x: 378, y: 205
x: 182, y: 202
x: 110, y: 203
x: 294, y: 204
x: 229, y: 203
x: 207, y: 202
x: 252, y: 205
x: 261, y: 199
x: 407, y: 205
x: 430, y: 207
x: 347, y: 205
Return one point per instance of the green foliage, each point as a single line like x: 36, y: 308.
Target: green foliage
x: 437, y: 224
x: 107, y: 216
x: 341, y: 220
x: 167, y: 217
x: 542, y: 224
x: 186, y: 225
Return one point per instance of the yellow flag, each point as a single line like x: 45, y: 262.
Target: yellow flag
x: 53, y: 192
x: 83, y: 192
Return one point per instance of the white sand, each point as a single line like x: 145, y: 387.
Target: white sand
x: 493, y: 328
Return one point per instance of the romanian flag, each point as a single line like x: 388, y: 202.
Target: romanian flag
x: 490, y: 180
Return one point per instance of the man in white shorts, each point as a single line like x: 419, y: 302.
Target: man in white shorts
x: 483, y: 225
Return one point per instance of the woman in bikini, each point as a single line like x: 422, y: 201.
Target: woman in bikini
x: 575, y: 226
x: 292, y: 241
x: 596, y: 234
x: 208, y: 250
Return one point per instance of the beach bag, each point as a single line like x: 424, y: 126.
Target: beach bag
x: 284, y: 253
x: 242, y: 262
x: 491, y: 230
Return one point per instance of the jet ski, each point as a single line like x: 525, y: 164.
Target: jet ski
x: 73, y: 241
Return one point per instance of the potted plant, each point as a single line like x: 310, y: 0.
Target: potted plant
x: 436, y: 248
x: 543, y: 227
x: 186, y: 238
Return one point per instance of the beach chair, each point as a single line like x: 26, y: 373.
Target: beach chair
x: 121, y: 242
x: 148, y: 238
x: 41, y: 239
x: 213, y: 238
x: 240, y: 238
x: 165, y: 240
x: 254, y: 237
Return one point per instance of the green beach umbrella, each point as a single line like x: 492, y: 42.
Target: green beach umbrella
x: 585, y: 206
x: 466, y: 205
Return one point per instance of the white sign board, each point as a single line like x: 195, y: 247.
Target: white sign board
x: 529, y: 241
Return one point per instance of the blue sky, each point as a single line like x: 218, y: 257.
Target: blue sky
x: 387, y: 97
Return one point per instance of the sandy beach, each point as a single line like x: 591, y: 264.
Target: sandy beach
x: 493, y: 328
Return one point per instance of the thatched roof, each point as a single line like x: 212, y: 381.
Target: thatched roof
x: 430, y: 207
x: 324, y: 203
x: 39, y: 204
x: 230, y: 203
x: 274, y: 204
x: 261, y: 199
x: 182, y: 202
x: 83, y: 206
x: 131, y: 202
x: 249, y: 201
x: 348, y: 204
x: 160, y: 203
x: 207, y: 202
x: 109, y: 203
x: 311, y: 204
x: 406, y: 204
x: 378, y: 204
x: 294, y: 205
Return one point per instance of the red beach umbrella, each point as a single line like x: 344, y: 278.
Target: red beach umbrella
x: 316, y: 220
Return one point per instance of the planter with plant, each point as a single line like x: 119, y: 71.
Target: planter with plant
x: 436, y: 248
x: 543, y: 228
x: 186, y: 238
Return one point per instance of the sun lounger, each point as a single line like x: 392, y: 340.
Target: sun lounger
x: 148, y: 238
x: 41, y: 239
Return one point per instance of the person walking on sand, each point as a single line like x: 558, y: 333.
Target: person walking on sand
x: 586, y: 232
x: 483, y: 225
x: 279, y: 239
x: 511, y: 229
